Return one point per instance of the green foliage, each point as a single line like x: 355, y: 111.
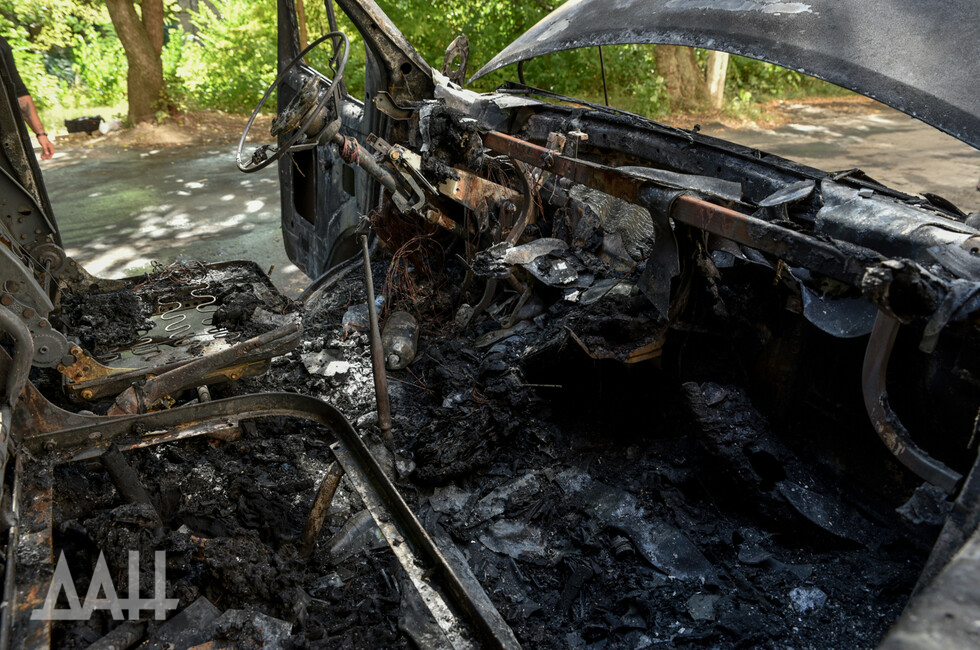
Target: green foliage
x: 45, y: 35
x: 750, y: 80
x: 318, y: 25
x: 432, y: 25
x: 100, y: 67
x: 232, y: 59
x: 173, y: 57
x: 69, y: 55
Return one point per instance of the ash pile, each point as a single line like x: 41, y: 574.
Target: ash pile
x: 591, y: 477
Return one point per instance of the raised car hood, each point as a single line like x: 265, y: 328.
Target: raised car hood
x: 915, y: 56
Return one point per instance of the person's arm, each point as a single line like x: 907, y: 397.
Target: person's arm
x: 31, y: 117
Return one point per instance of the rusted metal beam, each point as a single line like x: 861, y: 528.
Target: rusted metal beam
x: 26, y: 587
x: 276, y: 342
x: 795, y: 247
x: 377, y: 350
x: 472, y: 191
x: 584, y: 172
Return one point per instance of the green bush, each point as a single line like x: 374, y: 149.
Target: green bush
x: 100, y: 66
x: 752, y: 80
x: 232, y: 59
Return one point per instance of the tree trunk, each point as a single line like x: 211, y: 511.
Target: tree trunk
x: 301, y: 19
x: 153, y: 22
x: 686, y: 86
x: 716, y: 73
x: 144, y: 81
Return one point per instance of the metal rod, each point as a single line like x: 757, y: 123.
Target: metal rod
x: 318, y: 513
x: 367, y: 162
x: 23, y: 354
x: 10, y: 572
x: 377, y: 351
x: 885, y: 421
x: 127, y: 480
x: 602, y: 66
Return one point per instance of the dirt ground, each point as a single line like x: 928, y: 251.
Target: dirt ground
x: 192, y: 128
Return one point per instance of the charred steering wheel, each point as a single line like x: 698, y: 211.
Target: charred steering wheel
x: 312, y: 115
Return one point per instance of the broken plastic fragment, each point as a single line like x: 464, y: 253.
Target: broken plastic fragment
x: 805, y: 599
x: 356, y: 316
x: 533, y: 250
x: 516, y: 540
x: 495, y: 503
x: 827, y: 513
x: 928, y: 505
x: 789, y: 194
x: 328, y: 363
x: 701, y: 607
x: 658, y: 542
x: 359, y: 533
x: 187, y: 628
x: 247, y: 628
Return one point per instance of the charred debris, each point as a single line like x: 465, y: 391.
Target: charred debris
x: 583, y: 381
x: 613, y: 423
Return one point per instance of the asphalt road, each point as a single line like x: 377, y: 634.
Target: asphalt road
x: 889, y: 146
x: 120, y: 209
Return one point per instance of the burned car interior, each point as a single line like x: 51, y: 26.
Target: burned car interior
x: 564, y: 376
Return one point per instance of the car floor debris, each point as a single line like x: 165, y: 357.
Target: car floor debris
x: 566, y: 378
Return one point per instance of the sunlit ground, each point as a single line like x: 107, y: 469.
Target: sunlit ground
x: 119, y: 213
x: 889, y: 146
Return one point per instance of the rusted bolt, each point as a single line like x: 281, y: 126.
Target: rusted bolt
x: 43, y: 323
x: 395, y: 155
x: 87, y: 394
x: 37, y: 231
x: 86, y: 368
x: 7, y: 300
x: 61, y: 367
x: 49, y: 445
x: 235, y: 376
x: 28, y: 313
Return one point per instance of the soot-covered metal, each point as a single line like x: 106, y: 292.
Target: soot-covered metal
x: 566, y: 377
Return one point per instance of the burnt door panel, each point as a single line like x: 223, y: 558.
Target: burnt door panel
x: 318, y: 190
